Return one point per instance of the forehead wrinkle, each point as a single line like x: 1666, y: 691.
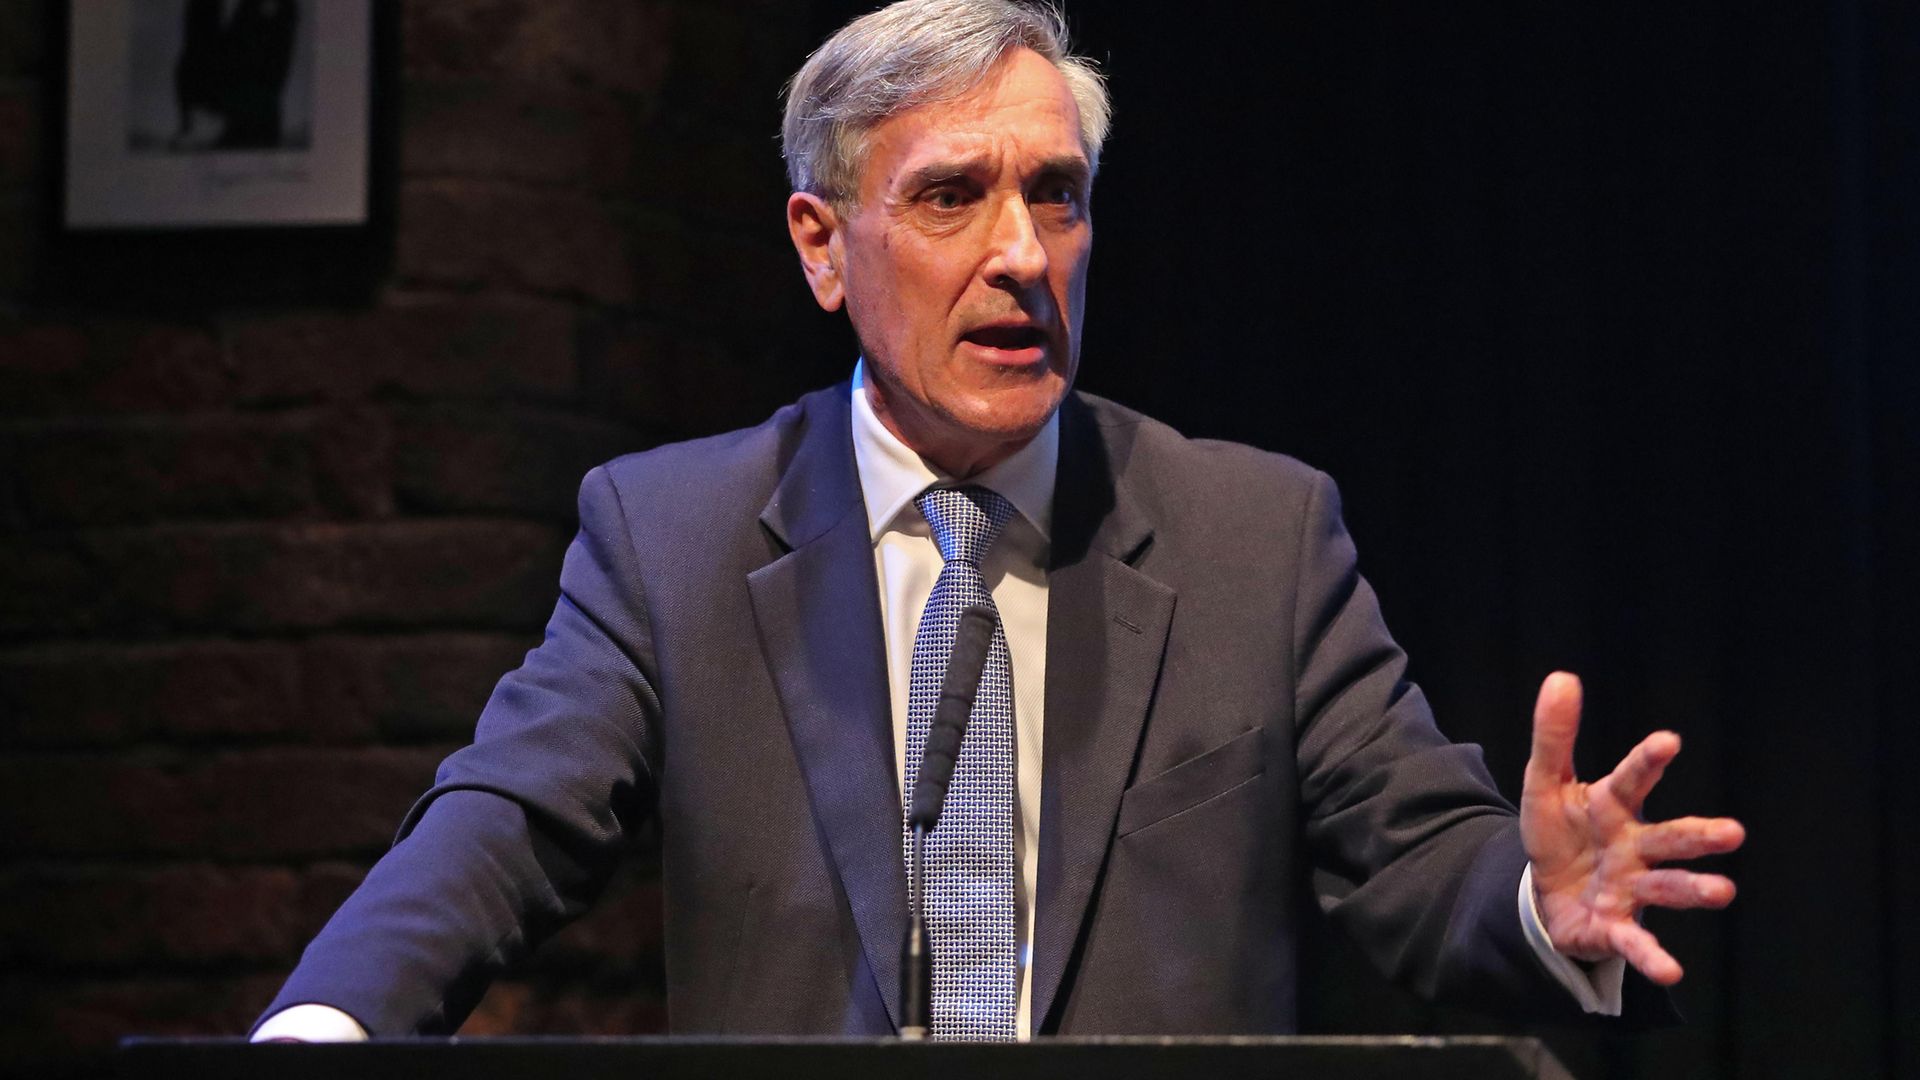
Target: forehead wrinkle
x: 961, y: 154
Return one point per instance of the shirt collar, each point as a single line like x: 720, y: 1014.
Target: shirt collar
x: 892, y: 474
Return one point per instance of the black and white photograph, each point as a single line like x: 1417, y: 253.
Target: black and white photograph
x: 211, y: 113
x: 220, y: 75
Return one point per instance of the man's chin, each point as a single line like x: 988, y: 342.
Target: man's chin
x: 967, y: 428
x: 1008, y: 425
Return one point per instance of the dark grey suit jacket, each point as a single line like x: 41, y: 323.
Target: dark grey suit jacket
x: 1227, y: 727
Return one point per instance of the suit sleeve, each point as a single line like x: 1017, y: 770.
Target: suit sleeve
x: 1417, y: 857
x: 523, y: 826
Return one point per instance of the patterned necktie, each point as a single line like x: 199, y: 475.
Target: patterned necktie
x: 970, y: 863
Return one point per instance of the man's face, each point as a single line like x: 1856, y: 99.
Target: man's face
x: 964, y: 264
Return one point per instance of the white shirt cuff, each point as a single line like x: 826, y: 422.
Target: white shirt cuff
x: 1597, y: 988
x: 311, y: 1023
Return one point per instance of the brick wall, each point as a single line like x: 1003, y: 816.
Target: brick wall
x: 260, y: 567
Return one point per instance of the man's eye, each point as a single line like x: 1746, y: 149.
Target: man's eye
x: 946, y: 199
x: 1058, y: 194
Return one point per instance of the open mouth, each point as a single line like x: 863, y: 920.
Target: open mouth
x: 1007, y: 338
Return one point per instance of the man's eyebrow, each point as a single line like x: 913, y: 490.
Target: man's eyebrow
x: 1072, y: 167
x: 940, y: 172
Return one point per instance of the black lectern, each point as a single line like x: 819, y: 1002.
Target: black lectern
x: 1244, y: 1058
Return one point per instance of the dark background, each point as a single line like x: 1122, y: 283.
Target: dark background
x: 1603, y: 315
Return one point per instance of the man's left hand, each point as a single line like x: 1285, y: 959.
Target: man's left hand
x: 1595, y: 863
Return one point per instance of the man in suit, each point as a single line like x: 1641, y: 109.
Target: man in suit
x: 1197, y: 718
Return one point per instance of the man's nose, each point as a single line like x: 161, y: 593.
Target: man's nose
x: 1018, y: 259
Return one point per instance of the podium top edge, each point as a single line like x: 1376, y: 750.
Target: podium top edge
x: 1434, y: 1042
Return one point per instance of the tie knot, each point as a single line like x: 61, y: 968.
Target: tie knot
x: 965, y: 520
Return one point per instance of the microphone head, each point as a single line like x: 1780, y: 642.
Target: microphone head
x: 971, y: 640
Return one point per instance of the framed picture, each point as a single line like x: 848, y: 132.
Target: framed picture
x: 197, y: 114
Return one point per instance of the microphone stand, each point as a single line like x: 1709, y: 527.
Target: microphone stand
x: 916, y: 952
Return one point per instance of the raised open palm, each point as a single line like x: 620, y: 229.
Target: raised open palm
x: 1595, y: 862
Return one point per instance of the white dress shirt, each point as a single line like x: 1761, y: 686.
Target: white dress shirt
x: 907, y: 563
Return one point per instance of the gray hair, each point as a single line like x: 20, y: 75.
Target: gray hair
x: 913, y: 53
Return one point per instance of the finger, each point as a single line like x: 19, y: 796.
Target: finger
x: 1643, y: 951
x: 1688, y: 838
x: 1642, y: 768
x: 1682, y: 889
x: 1556, y: 723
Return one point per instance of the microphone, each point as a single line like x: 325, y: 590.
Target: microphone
x: 971, y: 640
x: 970, y: 643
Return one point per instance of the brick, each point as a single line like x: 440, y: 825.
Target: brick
x: 407, y: 688
x: 625, y: 368
x: 415, y: 347
x: 115, y: 471
x: 109, y: 365
x: 489, y: 129
x: 104, y: 695
x: 519, y: 461
x: 621, y: 47
x: 193, y: 916
x: 70, y: 1026
x: 107, y: 471
x: 46, y: 585
x: 332, y: 689
x: 353, y: 462
x: 287, y: 577
x: 618, y: 941
x: 470, y: 234
x: 688, y: 381
x: 41, y: 350
x: 534, y: 1007
x: 256, y: 804
x: 19, y: 245
x: 20, y: 152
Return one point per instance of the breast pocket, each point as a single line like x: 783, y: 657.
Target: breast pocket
x: 1194, y: 781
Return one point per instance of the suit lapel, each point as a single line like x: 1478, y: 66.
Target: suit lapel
x: 1106, y: 630
x: 817, y: 609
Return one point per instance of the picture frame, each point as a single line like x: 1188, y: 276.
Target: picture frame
x: 218, y: 114
x: 321, y: 232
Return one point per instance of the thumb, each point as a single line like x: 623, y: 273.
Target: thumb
x: 1556, y: 724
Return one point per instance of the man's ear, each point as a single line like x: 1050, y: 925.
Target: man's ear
x: 815, y: 229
